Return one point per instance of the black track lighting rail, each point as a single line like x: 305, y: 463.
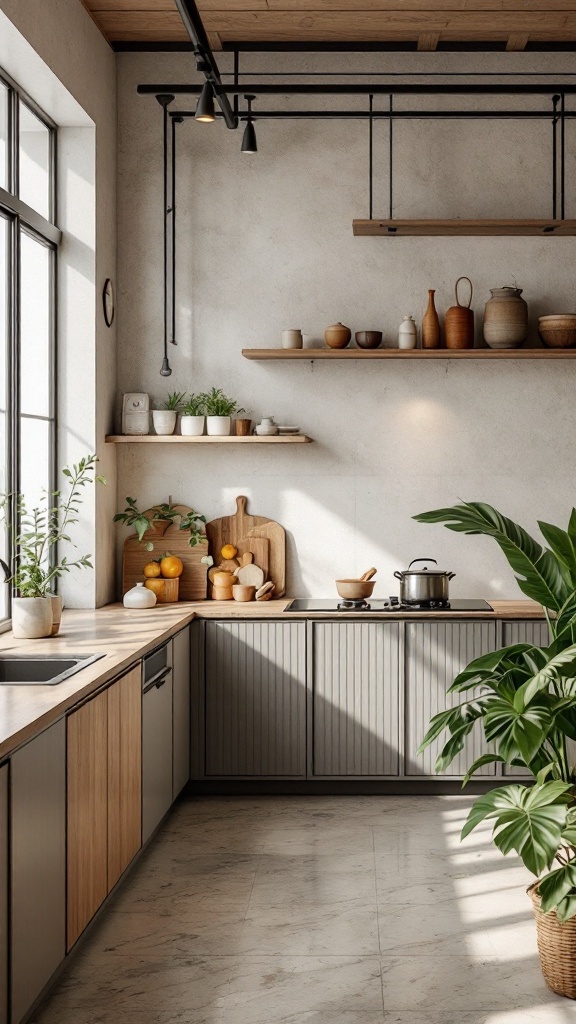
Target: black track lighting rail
x: 206, y: 60
x: 395, y: 115
x: 374, y: 88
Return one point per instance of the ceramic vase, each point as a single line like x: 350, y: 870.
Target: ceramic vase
x: 267, y: 428
x: 139, y: 597
x: 337, y: 336
x: 431, y: 324
x: 57, y: 606
x: 218, y: 426
x: 407, y: 333
x: 31, y: 617
x: 192, y: 426
x: 459, y: 321
x: 164, y: 420
x: 505, y: 318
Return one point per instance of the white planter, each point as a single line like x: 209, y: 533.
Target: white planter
x: 192, y: 426
x: 164, y: 420
x: 218, y: 425
x: 31, y: 617
x: 139, y: 597
x: 56, y: 602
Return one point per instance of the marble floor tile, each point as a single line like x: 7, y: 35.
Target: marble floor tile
x: 346, y: 926
x: 310, y: 877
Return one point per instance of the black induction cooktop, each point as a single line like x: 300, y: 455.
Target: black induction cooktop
x: 384, y: 605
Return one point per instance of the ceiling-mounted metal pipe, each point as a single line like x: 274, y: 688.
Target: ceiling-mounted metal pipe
x: 194, y: 26
x: 365, y: 88
x: 397, y: 115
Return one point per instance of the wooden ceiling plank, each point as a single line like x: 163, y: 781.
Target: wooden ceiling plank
x: 428, y: 41
x: 426, y: 6
x: 472, y: 23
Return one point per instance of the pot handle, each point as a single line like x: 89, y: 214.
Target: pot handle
x: 450, y: 575
x: 458, y: 303
x: 398, y: 575
x: 414, y: 560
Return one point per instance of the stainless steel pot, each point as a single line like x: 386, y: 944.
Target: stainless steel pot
x: 423, y: 586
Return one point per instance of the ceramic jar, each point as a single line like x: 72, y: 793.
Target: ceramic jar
x: 139, y: 597
x: 337, y: 336
x: 459, y: 321
x: 505, y: 318
x: 57, y: 605
x: 218, y: 426
x: 267, y: 428
x: 164, y: 420
x: 192, y: 426
x: 31, y: 617
x: 292, y: 338
x: 407, y: 332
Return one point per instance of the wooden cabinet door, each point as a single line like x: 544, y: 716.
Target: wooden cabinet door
x: 355, y: 685
x: 4, y: 894
x: 124, y: 772
x: 87, y: 760
x: 181, y: 710
x: 38, y: 872
x: 435, y: 653
x: 256, y: 699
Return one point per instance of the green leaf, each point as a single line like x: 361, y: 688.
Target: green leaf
x: 563, y: 545
x: 479, y: 763
x: 517, y: 732
x: 567, y: 907
x: 555, y: 886
x: 539, y: 573
x: 543, y: 678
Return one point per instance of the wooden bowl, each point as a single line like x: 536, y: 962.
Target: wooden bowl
x: 242, y: 592
x: 368, y: 339
x: 355, y: 590
x: 558, y: 330
x: 223, y: 578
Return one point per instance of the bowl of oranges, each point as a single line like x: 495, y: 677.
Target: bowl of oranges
x: 162, y: 577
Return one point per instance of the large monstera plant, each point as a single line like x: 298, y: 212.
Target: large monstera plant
x: 525, y: 699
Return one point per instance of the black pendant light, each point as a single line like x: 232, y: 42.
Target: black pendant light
x: 249, y: 144
x: 205, y: 107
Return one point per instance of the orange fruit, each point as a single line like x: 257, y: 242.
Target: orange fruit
x: 228, y: 551
x: 152, y: 569
x: 171, y: 566
x: 156, y: 585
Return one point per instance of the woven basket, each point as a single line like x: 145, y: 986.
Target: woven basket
x: 557, y: 948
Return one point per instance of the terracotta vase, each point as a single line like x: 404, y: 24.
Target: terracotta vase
x: 431, y: 324
x: 337, y: 336
x: 505, y: 318
x: 459, y: 322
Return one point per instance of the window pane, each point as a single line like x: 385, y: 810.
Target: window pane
x: 3, y: 136
x: 4, y: 228
x: 34, y: 157
x: 34, y: 460
x: 35, y: 332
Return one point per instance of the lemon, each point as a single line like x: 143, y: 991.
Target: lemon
x: 228, y: 551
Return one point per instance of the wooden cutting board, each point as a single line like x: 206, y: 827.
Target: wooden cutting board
x: 240, y: 529
x: 167, y: 537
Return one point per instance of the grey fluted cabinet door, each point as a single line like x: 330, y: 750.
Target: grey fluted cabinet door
x: 527, y: 632
x: 3, y: 894
x: 255, y: 699
x: 435, y: 653
x: 355, y: 685
x: 181, y: 710
x: 38, y: 866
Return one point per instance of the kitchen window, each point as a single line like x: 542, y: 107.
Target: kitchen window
x: 29, y: 241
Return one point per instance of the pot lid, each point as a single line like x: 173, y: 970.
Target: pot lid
x: 428, y: 566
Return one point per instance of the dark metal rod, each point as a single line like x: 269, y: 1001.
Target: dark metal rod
x: 378, y: 88
x: 390, y: 153
x: 236, y: 79
x: 175, y: 121
x: 563, y: 157
x: 397, y: 115
x: 164, y: 99
x: 197, y: 33
x: 371, y: 157
x: 400, y: 74
x: 554, y: 156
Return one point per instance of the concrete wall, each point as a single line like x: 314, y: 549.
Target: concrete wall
x: 55, y: 52
x: 265, y: 242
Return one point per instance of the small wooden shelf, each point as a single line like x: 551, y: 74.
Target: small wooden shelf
x: 205, y: 439
x: 395, y: 228
x: 396, y: 353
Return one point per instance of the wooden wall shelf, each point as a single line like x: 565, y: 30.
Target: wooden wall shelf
x: 395, y: 228
x: 395, y: 353
x: 205, y: 439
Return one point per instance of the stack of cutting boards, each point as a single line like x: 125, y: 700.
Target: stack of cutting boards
x: 163, y: 538
x: 258, y: 536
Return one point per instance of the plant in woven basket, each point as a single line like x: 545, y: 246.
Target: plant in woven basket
x: 524, y: 696
x: 166, y: 512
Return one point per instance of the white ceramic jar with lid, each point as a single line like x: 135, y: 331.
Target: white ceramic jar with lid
x: 407, y: 332
x: 139, y: 597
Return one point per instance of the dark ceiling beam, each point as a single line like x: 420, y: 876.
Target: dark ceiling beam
x: 206, y: 61
x: 376, y: 88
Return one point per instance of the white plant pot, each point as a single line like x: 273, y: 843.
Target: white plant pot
x: 218, y: 425
x: 31, y: 617
x: 164, y: 420
x: 57, y: 605
x: 192, y: 426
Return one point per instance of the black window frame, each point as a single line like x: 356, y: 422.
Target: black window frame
x: 23, y: 219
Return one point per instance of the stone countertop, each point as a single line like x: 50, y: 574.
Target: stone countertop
x: 124, y: 636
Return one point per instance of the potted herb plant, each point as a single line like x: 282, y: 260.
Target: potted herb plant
x: 219, y: 409
x: 164, y: 418
x: 193, y: 416
x: 142, y: 522
x: 37, y: 541
x: 524, y: 697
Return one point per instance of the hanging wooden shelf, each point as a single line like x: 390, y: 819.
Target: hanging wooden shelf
x: 397, y: 353
x: 205, y: 439
x: 393, y: 228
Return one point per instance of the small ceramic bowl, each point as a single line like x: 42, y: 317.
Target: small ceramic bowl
x: 368, y: 339
x: 558, y: 330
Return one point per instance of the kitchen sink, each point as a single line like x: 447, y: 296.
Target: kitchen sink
x: 41, y: 669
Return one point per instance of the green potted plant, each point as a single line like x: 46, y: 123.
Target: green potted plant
x: 524, y: 697
x: 193, y: 416
x: 37, y: 540
x: 164, y: 418
x: 142, y: 522
x: 219, y: 409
